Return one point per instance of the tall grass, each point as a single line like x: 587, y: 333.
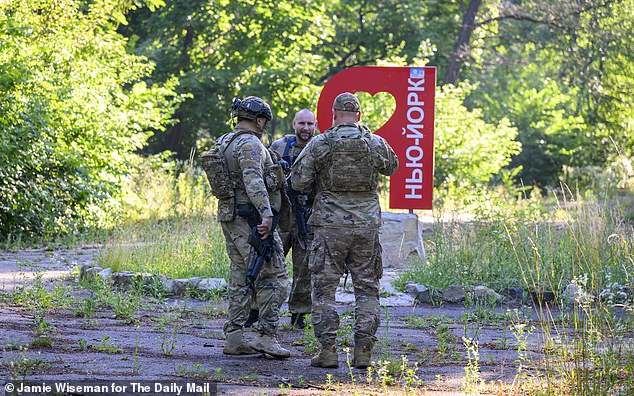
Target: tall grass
x: 171, y: 227
x: 177, y: 247
x: 586, y: 240
x: 585, y: 338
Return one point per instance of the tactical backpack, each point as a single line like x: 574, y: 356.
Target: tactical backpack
x: 215, y: 166
x: 350, y: 164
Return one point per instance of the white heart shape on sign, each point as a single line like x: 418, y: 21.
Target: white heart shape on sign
x: 376, y: 110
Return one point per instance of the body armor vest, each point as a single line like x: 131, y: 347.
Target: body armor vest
x: 217, y: 171
x: 272, y: 173
x: 350, y: 162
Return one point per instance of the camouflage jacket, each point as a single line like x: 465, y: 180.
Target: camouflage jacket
x: 249, y: 164
x: 279, y: 146
x: 341, y: 208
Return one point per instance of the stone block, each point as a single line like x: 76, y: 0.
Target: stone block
x: 401, y: 239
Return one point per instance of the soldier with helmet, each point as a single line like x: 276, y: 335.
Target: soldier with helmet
x: 254, y: 184
x: 342, y: 167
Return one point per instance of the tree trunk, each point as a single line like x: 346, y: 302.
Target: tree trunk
x: 462, y: 48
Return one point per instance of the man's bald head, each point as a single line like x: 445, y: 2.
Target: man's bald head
x: 304, y: 125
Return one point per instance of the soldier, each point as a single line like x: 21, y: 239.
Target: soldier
x: 342, y: 167
x: 256, y: 195
x: 295, y: 235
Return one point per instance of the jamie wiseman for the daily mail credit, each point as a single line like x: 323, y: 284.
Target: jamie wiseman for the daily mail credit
x: 96, y: 387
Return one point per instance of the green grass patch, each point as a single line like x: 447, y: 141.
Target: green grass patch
x: 587, y: 244
x: 178, y: 247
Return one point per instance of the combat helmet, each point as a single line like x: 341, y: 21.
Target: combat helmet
x: 250, y: 108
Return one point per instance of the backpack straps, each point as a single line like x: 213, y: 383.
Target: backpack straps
x: 232, y: 139
x: 290, y: 142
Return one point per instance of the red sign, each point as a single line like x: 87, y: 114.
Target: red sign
x: 410, y: 130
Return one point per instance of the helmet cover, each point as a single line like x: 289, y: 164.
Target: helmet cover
x: 251, y: 108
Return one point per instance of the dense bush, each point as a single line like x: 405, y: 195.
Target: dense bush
x: 73, y: 111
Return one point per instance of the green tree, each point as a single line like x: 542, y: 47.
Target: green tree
x: 74, y: 110
x: 223, y: 49
x: 561, y: 72
x: 541, y: 109
x: 535, y: 63
x: 283, y: 51
x: 468, y: 150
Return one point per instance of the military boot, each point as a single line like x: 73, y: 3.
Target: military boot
x: 265, y: 343
x: 362, y: 352
x: 235, y: 344
x: 326, y: 358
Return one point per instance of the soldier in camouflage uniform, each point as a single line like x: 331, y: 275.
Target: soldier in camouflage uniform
x: 342, y: 167
x: 288, y: 148
x: 256, y: 187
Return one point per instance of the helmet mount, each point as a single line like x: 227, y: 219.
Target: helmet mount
x: 251, y: 108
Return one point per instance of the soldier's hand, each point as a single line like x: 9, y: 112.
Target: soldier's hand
x: 264, y: 228
x: 285, y: 166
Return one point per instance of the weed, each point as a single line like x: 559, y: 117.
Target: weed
x: 409, y: 375
x: 87, y: 307
x: 193, y: 371
x: 42, y: 341
x: 167, y: 318
x: 136, y: 365
x: 218, y: 374
x: 384, y: 372
x: 91, y: 324
x: 214, y: 310
x: 409, y: 347
x: 446, y: 341
x: 21, y: 365
x: 44, y: 328
x: 311, y: 344
x: 521, y: 332
x: 384, y: 342
x: 39, y: 300
x: 472, y: 380
x: 503, y: 342
x: 483, y: 312
x: 106, y: 346
x: 349, y: 363
x: 168, y: 343
x: 330, y: 383
x: 124, y: 305
x: 344, y: 332
x: 426, y: 322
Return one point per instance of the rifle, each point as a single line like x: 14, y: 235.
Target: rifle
x: 295, y: 197
x: 299, y: 210
x: 262, y: 249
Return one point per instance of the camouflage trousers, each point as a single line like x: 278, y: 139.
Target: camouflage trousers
x: 271, y: 286
x: 333, y: 250
x: 299, y: 298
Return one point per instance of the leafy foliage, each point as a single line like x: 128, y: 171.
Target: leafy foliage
x: 469, y: 150
x: 224, y: 49
x: 544, y: 92
x: 561, y: 72
x: 282, y: 51
x: 73, y: 111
